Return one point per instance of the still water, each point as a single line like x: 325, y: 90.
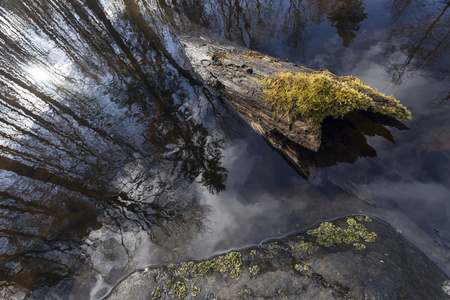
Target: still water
x: 114, y: 156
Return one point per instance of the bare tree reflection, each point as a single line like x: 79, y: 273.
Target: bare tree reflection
x: 421, y: 44
x: 286, y: 24
x: 85, y: 189
x: 253, y: 23
x: 194, y: 153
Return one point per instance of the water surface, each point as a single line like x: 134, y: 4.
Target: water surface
x: 114, y: 156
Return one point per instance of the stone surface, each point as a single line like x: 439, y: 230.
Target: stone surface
x: 297, y: 267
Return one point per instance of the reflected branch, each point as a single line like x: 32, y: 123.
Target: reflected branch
x: 421, y: 45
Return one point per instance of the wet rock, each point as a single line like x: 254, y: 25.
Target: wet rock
x: 299, y: 267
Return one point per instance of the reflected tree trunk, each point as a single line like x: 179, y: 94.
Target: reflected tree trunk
x: 419, y: 47
x: 98, y: 111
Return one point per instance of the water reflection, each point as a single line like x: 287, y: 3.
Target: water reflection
x: 343, y: 140
x: 113, y: 156
x: 99, y: 115
x: 193, y: 153
x: 422, y: 44
x: 417, y: 31
x: 282, y: 28
x: 346, y: 16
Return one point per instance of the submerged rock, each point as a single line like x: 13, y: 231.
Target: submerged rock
x: 349, y: 258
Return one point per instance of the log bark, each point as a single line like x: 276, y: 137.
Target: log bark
x: 234, y: 73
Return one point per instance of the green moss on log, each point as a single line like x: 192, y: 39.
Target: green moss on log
x: 315, y: 96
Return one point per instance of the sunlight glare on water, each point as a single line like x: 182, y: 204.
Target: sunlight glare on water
x: 39, y: 75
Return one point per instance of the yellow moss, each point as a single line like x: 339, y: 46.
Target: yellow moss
x: 300, y: 267
x: 253, y: 54
x: 254, y: 269
x: 230, y: 262
x: 202, y: 268
x: 318, y: 95
x: 351, y: 221
x: 253, y: 252
x: 180, y: 289
x: 195, y: 292
x: 302, y: 245
x: 359, y: 246
x: 185, y: 267
x: 244, y: 292
x: 156, y: 294
x: 328, y: 234
x: 235, y: 272
x: 219, y: 55
x: 168, y: 284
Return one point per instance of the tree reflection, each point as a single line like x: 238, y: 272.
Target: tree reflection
x: 194, y: 153
x: 255, y: 24
x: 279, y: 28
x: 87, y: 180
x: 346, y: 16
x: 421, y: 44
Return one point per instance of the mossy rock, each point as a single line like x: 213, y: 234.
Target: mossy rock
x: 323, y: 263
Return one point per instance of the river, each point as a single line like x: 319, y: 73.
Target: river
x: 114, y: 156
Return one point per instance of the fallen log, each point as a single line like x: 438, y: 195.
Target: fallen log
x: 276, y: 97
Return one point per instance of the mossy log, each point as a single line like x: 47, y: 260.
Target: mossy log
x: 252, y: 83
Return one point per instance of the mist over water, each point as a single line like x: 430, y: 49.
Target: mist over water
x: 114, y: 156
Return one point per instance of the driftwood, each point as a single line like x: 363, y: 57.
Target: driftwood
x: 234, y: 73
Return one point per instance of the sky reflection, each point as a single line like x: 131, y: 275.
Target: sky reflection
x: 108, y: 165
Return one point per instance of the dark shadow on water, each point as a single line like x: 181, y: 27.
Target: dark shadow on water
x: 343, y: 140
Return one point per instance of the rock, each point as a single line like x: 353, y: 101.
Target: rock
x: 298, y: 267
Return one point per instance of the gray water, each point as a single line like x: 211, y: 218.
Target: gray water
x: 115, y: 157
